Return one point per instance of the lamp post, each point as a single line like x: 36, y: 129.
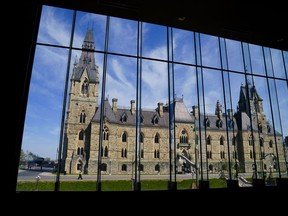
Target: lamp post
x: 110, y: 167
x: 236, y: 169
x: 37, y: 180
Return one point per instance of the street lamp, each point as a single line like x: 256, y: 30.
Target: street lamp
x: 236, y: 169
x: 37, y: 180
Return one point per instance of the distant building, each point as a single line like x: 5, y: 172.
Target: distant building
x: 250, y: 135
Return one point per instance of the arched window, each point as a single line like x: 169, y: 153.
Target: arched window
x: 82, y: 151
x: 82, y: 117
x: 142, y: 153
x: 222, y: 154
x: 101, y: 151
x: 261, y: 142
x: 157, y: 167
x: 208, y: 140
x: 122, y: 153
x: 183, y: 136
x: 270, y: 143
x: 156, y: 138
x: 141, y: 119
x: 125, y: 153
x: 78, y: 151
x: 155, y: 154
x: 141, y: 138
x: 158, y: 154
x: 221, y: 140
x: 85, y: 87
x: 81, y: 135
x: 105, y: 133
x: 124, y: 137
x: 124, y: 167
x: 106, y: 151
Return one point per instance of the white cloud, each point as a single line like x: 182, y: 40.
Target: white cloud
x: 55, y: 26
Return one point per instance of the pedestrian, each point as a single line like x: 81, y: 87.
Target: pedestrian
x: 80, y: 175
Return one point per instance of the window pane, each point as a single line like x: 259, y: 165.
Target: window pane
x: 154, y: 41
x: 215, y: 159
x: 235, y: 58
x: 210, y: 51
x: 155, y: 126
x: 88, y: 21
x: 43, y: 117
x: 186, y: 108
x: 278, y: 65
x: 257, y: 59
x: 183, y: 46
x: 55, y: 26
x: 123, y: 36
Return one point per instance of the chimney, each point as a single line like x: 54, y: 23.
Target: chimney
x: 114, y: 104
x: 160, y: 109
x: 132, y: 107
x: 195, y: 111
x: 218, y: 110
x: 230, y: 113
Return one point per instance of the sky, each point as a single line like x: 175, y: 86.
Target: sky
x: 46, y: 94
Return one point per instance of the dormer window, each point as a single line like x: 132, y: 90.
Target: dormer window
x: 155, y: 120
x: 207, y: 122
x: 219, y: 123
x: 124, y: 118
x: 268, y: 129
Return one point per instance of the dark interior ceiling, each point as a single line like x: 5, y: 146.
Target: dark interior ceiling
x: 263, y: 24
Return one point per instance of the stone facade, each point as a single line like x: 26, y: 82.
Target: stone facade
x: 243, y: 137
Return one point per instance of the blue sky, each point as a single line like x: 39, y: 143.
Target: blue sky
x: 43, y: 117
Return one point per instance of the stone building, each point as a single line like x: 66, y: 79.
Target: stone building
x: 244, y: 137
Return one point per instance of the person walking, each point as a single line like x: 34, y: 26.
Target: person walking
x: 80, y: 175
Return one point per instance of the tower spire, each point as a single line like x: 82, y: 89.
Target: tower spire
x: 87, y: 59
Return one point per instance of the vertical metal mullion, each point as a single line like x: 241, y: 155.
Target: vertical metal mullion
x: 137, y: 182
x: 285, y: 63
x: 270, y: 102
x: 57, y: 182
x: 200, y: 87
x: 171, y: 101
x: 231, y: 107
x: 204, y: 105
x: 102, y: 113
x: 249, y: 108
x: 224, y: 96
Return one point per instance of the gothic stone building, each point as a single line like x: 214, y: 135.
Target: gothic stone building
x: 247, y: 138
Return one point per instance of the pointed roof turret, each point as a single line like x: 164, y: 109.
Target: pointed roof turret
x: 87, y: 60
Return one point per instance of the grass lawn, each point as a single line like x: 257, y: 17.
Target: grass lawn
x: 111, y: 185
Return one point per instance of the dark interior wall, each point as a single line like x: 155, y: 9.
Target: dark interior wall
x: 231, y: 20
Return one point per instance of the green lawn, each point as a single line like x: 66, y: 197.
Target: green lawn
x: 115, y: 185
